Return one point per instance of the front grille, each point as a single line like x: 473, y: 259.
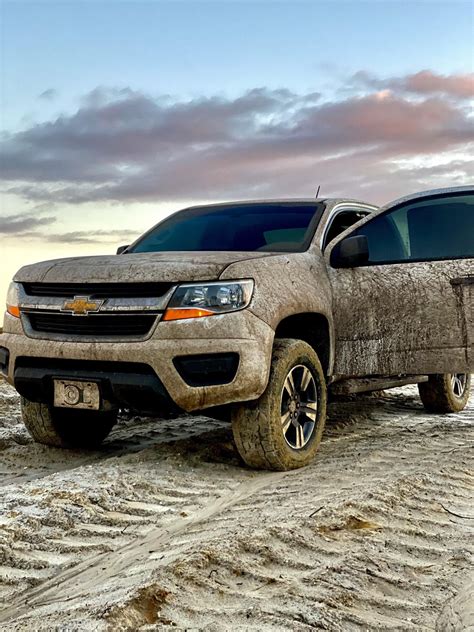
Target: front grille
x: 61, y: 364
x: 98, y: 290
x: 93, y: 325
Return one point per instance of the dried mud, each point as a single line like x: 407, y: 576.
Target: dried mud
x: 163, y: 527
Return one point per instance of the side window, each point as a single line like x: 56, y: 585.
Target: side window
x: 342, y: 221
x: 424, y: 230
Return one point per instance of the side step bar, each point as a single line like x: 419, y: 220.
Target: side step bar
x: 365, y: 385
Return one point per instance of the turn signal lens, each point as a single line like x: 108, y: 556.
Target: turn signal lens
x: 13, y: 310
x: 13, y: 300
x: 179, y: 314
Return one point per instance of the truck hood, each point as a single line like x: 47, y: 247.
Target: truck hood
x: 142, y: 267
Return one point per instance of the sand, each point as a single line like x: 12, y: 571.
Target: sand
x: 163, y: 527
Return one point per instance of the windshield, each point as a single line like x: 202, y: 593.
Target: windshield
x: 274, y: 227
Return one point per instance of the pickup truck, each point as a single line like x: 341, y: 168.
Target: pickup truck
x: 254, y: 310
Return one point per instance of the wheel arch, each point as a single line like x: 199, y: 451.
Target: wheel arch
x: 313, y: 328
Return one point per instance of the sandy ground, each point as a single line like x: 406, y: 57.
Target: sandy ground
x: 164, y: 528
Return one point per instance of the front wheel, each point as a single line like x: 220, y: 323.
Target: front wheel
x: 282, y: 430
x: 445, y: 393
x: 64, y: 428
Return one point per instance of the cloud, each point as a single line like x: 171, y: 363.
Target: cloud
x: 48, y: 95
x: 18, y: 224
x: 92, y: 237
x: 123, y: 145
x: 29, y: 230
x: 425, y: 82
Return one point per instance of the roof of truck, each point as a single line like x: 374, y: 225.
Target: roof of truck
x: 325, y: 200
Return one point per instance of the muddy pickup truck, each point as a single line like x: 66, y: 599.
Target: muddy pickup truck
x: 255, y: 310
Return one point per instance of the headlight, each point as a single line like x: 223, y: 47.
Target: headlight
x: 13, y: 300
x: 209, y: 299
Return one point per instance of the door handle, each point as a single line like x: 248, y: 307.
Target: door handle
x: 467, y: 280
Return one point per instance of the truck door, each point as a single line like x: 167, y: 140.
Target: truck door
x: 403, y: 300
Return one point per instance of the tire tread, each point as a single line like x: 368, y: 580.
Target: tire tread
x: 54, y: 427
x: 438, y: 397
x: 259, y: 442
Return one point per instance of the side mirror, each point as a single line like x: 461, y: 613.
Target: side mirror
x: 121, y: 249
x: 350, y: 252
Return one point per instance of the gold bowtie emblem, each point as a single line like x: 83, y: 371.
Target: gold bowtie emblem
x: 81, y: 306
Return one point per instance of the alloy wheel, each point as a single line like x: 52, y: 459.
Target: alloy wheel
x: 299, y: 405
x: 459, y: 383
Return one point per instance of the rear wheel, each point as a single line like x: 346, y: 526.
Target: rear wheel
x: 66, y: 428
x: 282, y: 430
x: 445, y: 393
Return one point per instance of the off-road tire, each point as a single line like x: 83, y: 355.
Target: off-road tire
x: 257, y: 426
x: 65, y: 428
x: 438, y: 396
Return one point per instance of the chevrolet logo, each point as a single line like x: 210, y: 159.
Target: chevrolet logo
x: 82, y: 306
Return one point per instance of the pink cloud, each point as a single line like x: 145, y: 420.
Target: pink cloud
x: 424, y: 82
x: 127, y: 146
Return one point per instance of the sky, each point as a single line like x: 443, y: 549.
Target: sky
x: 115, y: 113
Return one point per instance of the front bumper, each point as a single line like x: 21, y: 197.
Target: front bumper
x: 240, y: 333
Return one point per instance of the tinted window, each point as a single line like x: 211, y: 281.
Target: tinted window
x: 437, y: 228
x: 248, y: 227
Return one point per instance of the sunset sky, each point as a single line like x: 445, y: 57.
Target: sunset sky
x: 116, y: 113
